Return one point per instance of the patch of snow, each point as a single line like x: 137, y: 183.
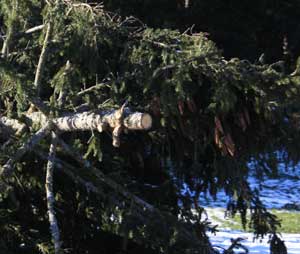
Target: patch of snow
x: 261, y: 246
x: 274, y: 193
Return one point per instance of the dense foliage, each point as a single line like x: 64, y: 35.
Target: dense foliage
x: 211, y: 117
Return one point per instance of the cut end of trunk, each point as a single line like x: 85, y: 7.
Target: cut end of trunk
x: 146, y: 121
x: 138, y: 121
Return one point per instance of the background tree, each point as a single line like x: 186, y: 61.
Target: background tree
x: 79, y: 88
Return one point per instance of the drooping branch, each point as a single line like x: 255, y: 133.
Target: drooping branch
x: 70, y: 171
x: 8, y: 169
x: 143, y: 208
x: 50, y: 196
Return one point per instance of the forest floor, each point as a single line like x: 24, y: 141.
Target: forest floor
x: 281, y: 195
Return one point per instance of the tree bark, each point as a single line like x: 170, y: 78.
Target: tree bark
x: 100, y: 120
x: 50, y: 196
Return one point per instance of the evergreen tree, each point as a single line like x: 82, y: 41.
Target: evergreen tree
x: 104, y: 120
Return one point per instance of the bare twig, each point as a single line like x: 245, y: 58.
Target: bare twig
x: 95, y: 87
x: 34, y: 29
x: 42, y: 59
x: 50, y: 196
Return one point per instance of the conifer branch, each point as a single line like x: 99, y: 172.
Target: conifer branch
x: 168, y: 67
x: 10, y: 32
x: 50, y: 196
x: 143, y: 207
x: 70, y: 171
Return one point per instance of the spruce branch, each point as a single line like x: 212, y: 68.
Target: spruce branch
x: 10, y: 32
x: 160, y: 70
x: 70, y: 171
x: 50, y: 196
x: 143, y: 208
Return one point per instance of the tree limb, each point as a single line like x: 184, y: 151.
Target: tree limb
x: 34, y: 29
x: 8, y: 169
x: 42, y: 59
x: 100, y: 120
x: 50, y: 196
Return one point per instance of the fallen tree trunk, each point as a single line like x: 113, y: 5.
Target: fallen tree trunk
x: 116, y: 120
x: 96, y: 121
x: 85, y: 121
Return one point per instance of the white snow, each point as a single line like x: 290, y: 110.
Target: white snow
x: 275, y: 193
x: 222, y: 239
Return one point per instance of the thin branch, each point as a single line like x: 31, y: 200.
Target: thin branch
x: 42, y: 59
x: 70, y: 170
x: 95, y: 87
x: 100, y: 176
x: 50, y: 196
x: 34, y: 29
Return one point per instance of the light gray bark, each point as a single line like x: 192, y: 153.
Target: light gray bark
x: 50, y: 196
x: 42, y: 59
